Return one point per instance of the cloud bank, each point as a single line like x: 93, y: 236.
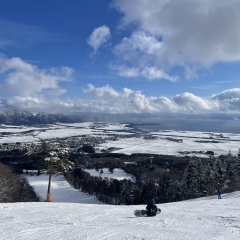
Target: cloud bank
x: 32, y: 88
x: 25, y: 79
x: 167, y: 33
x: 37, y: 89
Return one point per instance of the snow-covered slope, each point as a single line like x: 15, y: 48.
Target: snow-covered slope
x: 205, y: 218
x: 61, y: 190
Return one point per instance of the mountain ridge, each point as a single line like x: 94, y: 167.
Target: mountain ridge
x: 24, y: 117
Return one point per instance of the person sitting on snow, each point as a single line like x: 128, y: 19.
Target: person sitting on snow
x: 151, y: 209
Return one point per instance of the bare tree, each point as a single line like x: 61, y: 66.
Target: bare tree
x: 9, y: 186
x: 51, y: 158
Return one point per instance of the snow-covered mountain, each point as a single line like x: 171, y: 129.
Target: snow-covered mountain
x: 23, y: 117
x: 75, y: 215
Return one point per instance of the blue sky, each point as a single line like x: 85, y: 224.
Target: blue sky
x: 116, y: 56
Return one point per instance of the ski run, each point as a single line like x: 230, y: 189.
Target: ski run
x: 206, y: 218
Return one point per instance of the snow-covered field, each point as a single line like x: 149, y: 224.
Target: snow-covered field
x: 203, y: 219
x: 161, y: 145
x: 118, y: 174
x: 124, y: 143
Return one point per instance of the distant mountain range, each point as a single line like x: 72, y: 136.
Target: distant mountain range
x: 23, y: 117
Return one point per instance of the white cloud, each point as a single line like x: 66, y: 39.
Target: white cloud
x: 130, y: 101
x: 230, y: 99
x: 100, y: 93
x: 138, y: 56
x: 192, y: 34
x: 98, y: 37
x: 106, y: 99
x: 125, y: 71
x: 228, y: 94
x: 26, y: 79
x: 149, y: 72
x: 189, y: 101
x: 153, y: 73
x: 139, y: 41
x: 25, y: 102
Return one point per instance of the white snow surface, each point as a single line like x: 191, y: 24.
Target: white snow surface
x: 127, y: 142
x: 203, y: 219
x: 61, y: 191
x: 118, y: 174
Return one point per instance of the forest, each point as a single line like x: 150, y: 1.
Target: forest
x: 164, y: 178
x: 15, y: 187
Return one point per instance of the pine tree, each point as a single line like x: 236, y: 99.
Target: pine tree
x: 51, y: 158
x: 208, y: 179
x: 219, y: 172
x: 192, y: 179
x: 236, y: 172
x: 174, y: 191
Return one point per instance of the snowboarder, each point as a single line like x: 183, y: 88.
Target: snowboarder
x: 151, y: 209
x: 219, y: 194
x: 129, y: 199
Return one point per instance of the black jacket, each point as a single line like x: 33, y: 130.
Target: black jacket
x: 151, y: 210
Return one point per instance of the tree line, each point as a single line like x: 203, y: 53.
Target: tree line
x: 15, y: 187
x: 196, y: 178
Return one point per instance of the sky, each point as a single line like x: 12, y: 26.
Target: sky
x: 116, y: 56
x: 67, y: 218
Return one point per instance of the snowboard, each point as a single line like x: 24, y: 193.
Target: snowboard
x: 143, y: 213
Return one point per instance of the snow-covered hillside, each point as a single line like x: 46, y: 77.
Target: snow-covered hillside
x: 205, y: 218
x: 61, y: 190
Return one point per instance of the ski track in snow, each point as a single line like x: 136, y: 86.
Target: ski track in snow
x: 204, y: 218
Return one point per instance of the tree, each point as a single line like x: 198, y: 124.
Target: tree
x: 192, y: 179
x: 50, y: 158
x: 88, y: 149
x: 236, y: 172
x: 9, y: 186
x: 219, y: 170
x: 209, y: 179
x: 111, y: 169
x: 27, y: 193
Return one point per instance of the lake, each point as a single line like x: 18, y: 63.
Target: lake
x: 201, y: 125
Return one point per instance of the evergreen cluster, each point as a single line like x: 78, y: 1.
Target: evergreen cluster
x: 197, y: 178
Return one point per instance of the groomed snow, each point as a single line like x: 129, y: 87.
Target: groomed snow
x: 202, y: 219
x: 61, y: 190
